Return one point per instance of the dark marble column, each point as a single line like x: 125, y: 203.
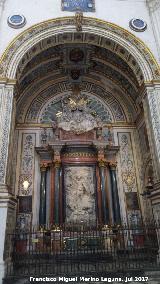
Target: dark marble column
x: 105, y: 209
x: 57, y: 192
x: 114, y: 192
x: 42, y: 208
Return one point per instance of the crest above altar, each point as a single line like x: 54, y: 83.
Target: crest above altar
x: 77, y: 116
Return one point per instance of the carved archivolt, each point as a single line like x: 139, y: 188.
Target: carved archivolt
x: 58, y: 27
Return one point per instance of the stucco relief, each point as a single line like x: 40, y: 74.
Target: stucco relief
x: 76, y: 116
x: 151, y: 107
x: 154, y: 109
x: 127, y: 162
x: 80, y: 194
x: 27, y: 164
x: 6, y: 104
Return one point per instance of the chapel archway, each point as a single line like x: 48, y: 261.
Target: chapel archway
x: 110, y: 75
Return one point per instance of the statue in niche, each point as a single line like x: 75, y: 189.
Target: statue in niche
x: 80, y: 195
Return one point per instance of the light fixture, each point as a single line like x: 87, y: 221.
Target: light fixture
x: 25, y: 185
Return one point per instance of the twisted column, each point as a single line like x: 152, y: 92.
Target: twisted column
x: 42, y: 208
x: 114, y: 194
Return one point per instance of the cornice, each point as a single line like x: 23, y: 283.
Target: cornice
x: 7, y: 81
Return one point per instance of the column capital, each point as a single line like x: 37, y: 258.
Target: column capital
x: 102, y: 163
x: 7, y: 81
x: 112, y: 165
x: 43, y: 166
x: 57, y: 164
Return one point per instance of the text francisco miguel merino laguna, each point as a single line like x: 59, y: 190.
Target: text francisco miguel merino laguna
x: 88, y: 279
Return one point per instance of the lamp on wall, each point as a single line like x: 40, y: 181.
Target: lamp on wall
x: 25, y: 185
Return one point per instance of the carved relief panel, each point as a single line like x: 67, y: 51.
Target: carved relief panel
x: 27, y: 164
x: 129, y: 178
x: 127, y: 162
x: 79, y: 186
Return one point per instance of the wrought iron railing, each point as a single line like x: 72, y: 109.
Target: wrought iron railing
x: 78, y: 248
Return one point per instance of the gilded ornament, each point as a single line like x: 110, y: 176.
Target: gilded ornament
x: 129, y: 179
x: 102, y: 163
x: 113, y: 165
x: 43, y: 167
x: 57, y: 164
x: 78, y: 21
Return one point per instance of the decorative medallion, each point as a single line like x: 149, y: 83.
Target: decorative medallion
x: 138, y: 25
x: 16, y: 21
x: 78, y: 5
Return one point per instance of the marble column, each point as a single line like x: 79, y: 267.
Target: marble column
x: 42, y: 207
x: 114, y: 193
x: 57, y: 192
x: 105, y: 209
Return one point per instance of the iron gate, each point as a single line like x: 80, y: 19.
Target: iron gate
x: 76, y: 249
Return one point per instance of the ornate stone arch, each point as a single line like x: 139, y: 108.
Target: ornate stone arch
x: 52, y: 28
x: 30, y: 111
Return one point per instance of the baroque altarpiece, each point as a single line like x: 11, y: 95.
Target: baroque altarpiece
x: 71, y: 166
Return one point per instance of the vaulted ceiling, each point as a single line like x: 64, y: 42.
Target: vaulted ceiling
x: 77, y: 64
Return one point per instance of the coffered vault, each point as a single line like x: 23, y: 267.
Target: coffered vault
x: 100, y: 71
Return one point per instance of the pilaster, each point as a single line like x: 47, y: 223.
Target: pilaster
x: 7, y: 120
x: 154, y: 11
x: 151, y: 104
